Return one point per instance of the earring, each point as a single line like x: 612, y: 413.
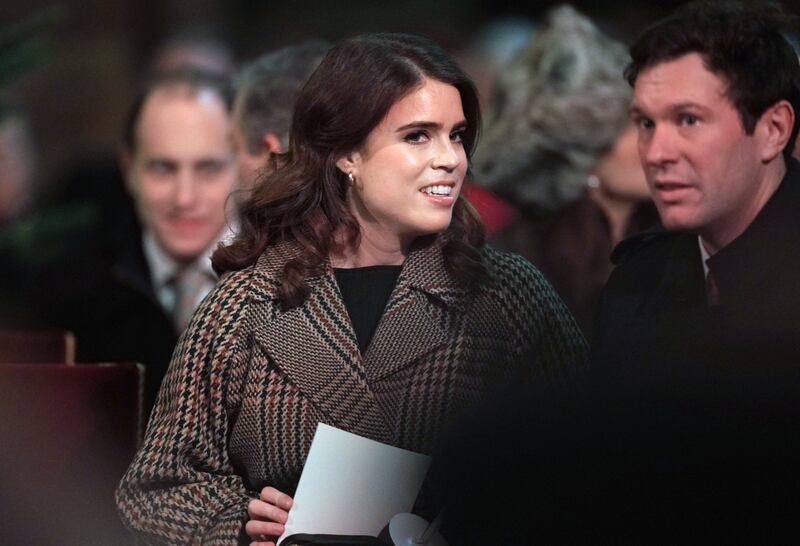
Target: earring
x: 593, y: 181
x: 351, y: 179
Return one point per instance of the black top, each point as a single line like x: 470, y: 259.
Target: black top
x: 365, y: 291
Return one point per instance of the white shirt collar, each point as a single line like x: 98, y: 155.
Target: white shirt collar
x: 704, y: 255
x: 163, y: 268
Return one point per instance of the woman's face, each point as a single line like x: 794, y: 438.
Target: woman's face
x: 620, y: 170
x: 410, y: 169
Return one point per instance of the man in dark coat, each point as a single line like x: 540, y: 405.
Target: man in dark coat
x: 716, y: 101
x: 131, y: 302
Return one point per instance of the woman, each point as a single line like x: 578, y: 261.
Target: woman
x: 560, y: 146
x: 358, y: 294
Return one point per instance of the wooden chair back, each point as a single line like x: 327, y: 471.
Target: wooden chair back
x: 68, y: 434
x: 37, y: 346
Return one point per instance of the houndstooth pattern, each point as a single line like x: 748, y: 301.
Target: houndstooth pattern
x: 249, y: 382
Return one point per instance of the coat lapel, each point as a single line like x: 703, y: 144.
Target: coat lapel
x: 315, y: 346
x: 682, y: 284
x: 420, y: 315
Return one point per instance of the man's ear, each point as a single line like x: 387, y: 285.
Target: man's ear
x: 776, y: 124
x: 272, y: 144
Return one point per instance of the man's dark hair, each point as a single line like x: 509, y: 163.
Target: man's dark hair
x: 192, y: 79
x: 741, y: 42
x: 267, y: 88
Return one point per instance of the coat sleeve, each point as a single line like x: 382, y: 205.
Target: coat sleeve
x: 548, y: 338
x: 181, y: 487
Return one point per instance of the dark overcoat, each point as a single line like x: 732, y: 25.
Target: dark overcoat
x: 250, y: 381
x: 653, y: 320
x: 109, y: 303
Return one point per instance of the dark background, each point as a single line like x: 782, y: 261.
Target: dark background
x: 78, y: 98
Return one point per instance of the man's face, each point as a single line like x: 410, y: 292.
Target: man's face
x: 705, y: 174
x: 183, y: 169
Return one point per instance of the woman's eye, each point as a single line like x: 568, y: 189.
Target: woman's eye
x: 416, y: 137
x: 457, y: 136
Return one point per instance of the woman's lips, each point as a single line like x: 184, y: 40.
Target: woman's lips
x: 437, y: 193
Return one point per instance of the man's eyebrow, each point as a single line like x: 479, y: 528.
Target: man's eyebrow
x: 161, y: 161
x: 688, y: 105
x: 636, y: 110
x: 209, y: 161
x: 211, y: 158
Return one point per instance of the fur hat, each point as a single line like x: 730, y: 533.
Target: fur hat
x: 559, y: 105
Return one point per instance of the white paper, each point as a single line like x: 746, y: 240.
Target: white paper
x: 353, y: 486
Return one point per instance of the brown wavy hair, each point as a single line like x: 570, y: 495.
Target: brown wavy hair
x: 304, y: 197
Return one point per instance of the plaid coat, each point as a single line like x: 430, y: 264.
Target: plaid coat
x: 249, y: 382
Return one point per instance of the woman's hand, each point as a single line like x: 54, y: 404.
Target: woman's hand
x: 267, y: 516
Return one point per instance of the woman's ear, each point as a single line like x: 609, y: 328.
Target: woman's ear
x: 348, y: 164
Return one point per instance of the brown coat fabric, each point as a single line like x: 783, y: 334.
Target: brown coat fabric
x: 249, y: 382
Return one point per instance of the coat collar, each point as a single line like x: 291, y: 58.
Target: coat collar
x: 682, y: 285
x: 316, y: 346
x: 424, y: 270
x: 767, y: 250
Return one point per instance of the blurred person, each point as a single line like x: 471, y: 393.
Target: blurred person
x: 559, y: 145
x: 180, y: 168
x: 90, y: 193
x: 17, y: 165
x: 193, y: 48
x: 716, y: 290
x: 494, y: 46
x: 358, y: 293
x: 17, y: 193
x: 266, y: 90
